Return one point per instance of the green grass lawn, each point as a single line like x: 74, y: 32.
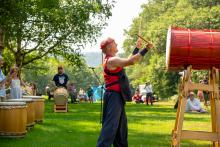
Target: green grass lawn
x: 149, y: 126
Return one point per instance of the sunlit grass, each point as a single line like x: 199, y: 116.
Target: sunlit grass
x: 149, y: 126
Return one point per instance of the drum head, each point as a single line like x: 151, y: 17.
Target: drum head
x: 60, y: 93
x: 32, y: 97
x: 168, y: 48
x: 12, y: 103
x: 20, y: 100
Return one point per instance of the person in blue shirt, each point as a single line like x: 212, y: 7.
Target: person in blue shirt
x: 90, y: 93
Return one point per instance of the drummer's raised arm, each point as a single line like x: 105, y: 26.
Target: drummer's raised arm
x: 136, y: 55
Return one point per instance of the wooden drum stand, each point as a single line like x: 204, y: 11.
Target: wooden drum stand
x: 185, y: 87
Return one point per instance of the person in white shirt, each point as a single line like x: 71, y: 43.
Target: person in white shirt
x: 149, y: 93
x: 193, y: 104
x: 15, y: 83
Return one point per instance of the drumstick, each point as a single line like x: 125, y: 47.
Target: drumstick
x: 142, y: 38
x: 140, y: 25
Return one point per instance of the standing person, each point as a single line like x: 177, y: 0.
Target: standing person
x: 90, y: 94
x: 3, y: 80
x: 61, y: 78
x: 114, y: 125
x: 34, y: 89
x: 149, y: 93
x: 72, y: 92
x: 15, y: 84
x: 206, y: 93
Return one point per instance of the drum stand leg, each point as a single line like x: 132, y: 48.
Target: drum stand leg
x: 215, y: 105
x: 178, y: 134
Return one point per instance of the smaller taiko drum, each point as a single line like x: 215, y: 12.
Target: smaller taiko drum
x: 13, y: 119
x: 38, y: 106
x: 30, y: 110
x: 60, y: 96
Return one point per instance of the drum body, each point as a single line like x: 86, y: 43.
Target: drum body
x: 38, y: 106
x: 60, y: 96
x: 30, y: 110
x: 199, y: 48
x: 13, y: 119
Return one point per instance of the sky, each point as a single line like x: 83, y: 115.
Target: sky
x: 122, y: 15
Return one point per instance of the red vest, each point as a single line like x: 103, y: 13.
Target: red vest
x: 109, y: 78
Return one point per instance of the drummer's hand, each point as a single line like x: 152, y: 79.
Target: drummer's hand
x: 139, y: 43
x: 149, y: 45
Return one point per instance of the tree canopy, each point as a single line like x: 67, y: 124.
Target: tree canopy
x: 156, y: 17
x: 32, y: 29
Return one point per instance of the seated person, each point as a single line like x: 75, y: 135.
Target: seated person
x: 137, y: 97
x: 82, y: 95
x: 193, y: 104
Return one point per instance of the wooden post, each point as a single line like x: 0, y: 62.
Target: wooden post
x: 215, y: 105
x: 212, y: 104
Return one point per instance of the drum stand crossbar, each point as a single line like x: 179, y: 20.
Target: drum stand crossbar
x: 185, y: 87
x: 60, y: 108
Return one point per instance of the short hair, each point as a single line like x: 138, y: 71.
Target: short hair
x: 60, y: 67
x: 105, y: 44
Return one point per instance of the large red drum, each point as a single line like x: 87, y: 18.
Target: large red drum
x: 199, y: 48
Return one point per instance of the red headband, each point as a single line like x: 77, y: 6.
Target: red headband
x: 106, y: 42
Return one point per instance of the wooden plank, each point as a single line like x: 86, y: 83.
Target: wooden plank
x: 199, y: 135
x: 60, y: 108
x: 203, y: 87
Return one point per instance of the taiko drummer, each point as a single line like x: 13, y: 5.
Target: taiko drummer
x: 114, y: 129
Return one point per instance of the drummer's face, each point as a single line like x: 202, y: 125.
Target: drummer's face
x: 60, y: 70
x: 114, y: 47
x: 191, y: 96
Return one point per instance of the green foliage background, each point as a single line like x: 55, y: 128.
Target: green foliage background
x: 41, y: 73
x: 154, y: 20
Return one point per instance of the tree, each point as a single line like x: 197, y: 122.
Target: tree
x: 32, y: 29
x: 156, y: 17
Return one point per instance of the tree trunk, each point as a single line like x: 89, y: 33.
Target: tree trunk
x: 1, y: 41
x: 18, y: 60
